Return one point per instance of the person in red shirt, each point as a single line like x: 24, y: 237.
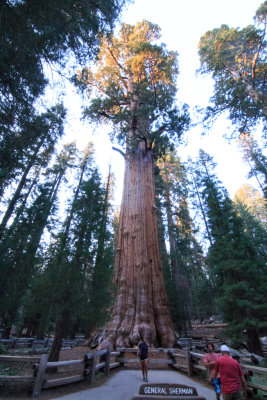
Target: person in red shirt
x: 209, y: 361
x: 232, y: 376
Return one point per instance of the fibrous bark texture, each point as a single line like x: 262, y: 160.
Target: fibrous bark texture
x: 140, y: 309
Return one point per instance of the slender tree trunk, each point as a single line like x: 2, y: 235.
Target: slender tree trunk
x: 23, y: 205
x: 70, y: 216
x: 74, y: 328
x: 202, y: 211
x: 103, y: 227
x: 180, y: 278
x: 18, y: 191
x: 6, y: 332
x: 60, y: 331
x: 43, y: 323
x: 97, y: 309
x: 253, y: 341
x: 140, y: 308
x: 256, y: 177
x: 168, y: 275
x: 43, y: 218
x: 63, y: 318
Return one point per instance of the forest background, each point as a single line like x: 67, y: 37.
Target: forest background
x: 182, y: 25
x: 59, y: 226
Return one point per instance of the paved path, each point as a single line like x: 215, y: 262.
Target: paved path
x: 123, y: 385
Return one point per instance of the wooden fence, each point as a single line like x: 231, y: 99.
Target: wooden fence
x: 186, y: 361
x: 18, y: 343
x: 185, y: 343
x: 194, y: 362
x: 91, y: 363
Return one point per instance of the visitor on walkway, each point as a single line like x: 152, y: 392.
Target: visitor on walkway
x: 143, y: 355
x: 232, y: 376
x: 209, y: 361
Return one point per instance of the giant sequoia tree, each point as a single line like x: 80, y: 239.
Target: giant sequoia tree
x: 134, y: 87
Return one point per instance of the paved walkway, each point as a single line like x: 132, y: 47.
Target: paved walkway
x: 123, y: 385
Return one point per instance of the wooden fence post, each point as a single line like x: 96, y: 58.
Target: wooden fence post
x: 107, y: 360
x: 122, y: 355
x: 171, y: 357
x: 40, y: 376
x: 90, y: 361
x: 189, y: 363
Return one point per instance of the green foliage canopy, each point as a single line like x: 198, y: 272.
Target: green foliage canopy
x: 237, y: 61
x: 134, y: 85
x: 237, y: 261
x: 35, y: 36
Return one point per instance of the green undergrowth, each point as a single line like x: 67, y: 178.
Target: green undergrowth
x: 99, y: 375
x: 3, y: 349
x: 7, y: 371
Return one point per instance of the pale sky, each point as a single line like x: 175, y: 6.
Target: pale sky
x: 182, y: 24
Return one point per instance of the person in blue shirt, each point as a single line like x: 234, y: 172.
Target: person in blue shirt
x: 143, y: 354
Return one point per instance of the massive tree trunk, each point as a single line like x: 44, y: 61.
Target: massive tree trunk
x: 140, y: 308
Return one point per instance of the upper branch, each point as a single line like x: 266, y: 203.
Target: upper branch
x: 120, y: 66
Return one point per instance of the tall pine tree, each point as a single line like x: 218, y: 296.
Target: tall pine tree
x: 238, y: 268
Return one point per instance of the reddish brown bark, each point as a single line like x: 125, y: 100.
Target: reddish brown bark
x: 140, y: 308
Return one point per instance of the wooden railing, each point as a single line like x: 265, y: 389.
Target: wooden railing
x: 18, y: 343
x: 191, y: 362
x: 185, y: 343
x: 186, y: 361
x: 195, y: 363
x: 250, y: 369
x: 91, y: 363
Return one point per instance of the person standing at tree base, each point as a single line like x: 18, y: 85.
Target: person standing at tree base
x: 209, y: 361
x: 143, y: 354
x: 232, y: 376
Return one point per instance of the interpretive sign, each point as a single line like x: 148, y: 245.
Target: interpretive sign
x: 167, y: 391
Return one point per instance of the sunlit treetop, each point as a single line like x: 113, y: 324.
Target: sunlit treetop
x: 253, y: 200
x: 172, y: 170
x: 236, y: 58
x: 260, y: 16
x: 133, y: 85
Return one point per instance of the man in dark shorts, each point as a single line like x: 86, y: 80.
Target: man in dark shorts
x: 143, y: 353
